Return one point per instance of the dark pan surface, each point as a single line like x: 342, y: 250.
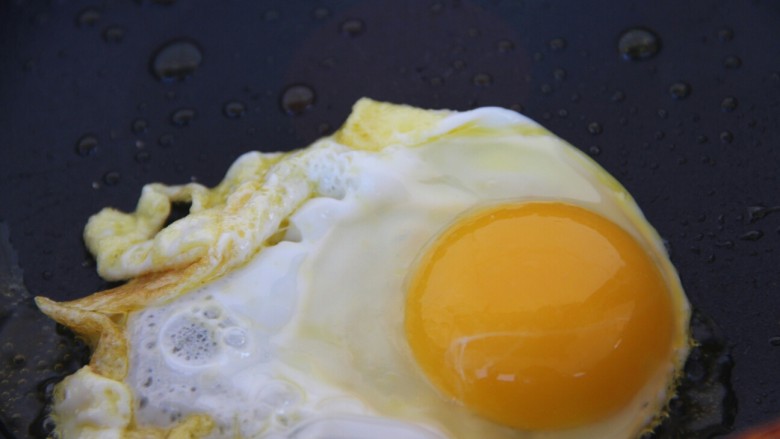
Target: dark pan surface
x: 705, y: 172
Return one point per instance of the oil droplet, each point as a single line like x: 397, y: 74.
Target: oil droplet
x: 140, y: 126
x: 113, y: 34
x: 557, y: 44
x: 183, y: 117
x: 594, y: 150
x: 86, y: 145
x: 755, y: 213
x: 111, y: 178
x: 732, y: 62
x: 271, y: 15
x: 459, y: 64
x: 176, y: 60
x: 18, y: 360
x: 618, y: 96
x: 729, y: 104
x: 638, y: 43
x: 505, y: 46
x: 482, y: 80
x: 594, y: 128
x: 546, y: 89
x: 297, y: 98
x: 679, y: 90
x: 701, y: 139
x: 166, y: 140
x: 559, y: 74
x: 143, y: 156
x: 352, y: 27
x: 726, y: 137
x: 725, y: 34
x: 436, y: 81
x: 774, y: 341
x: 753, y: 235
x: 88, y: 17
x: 234, y: 109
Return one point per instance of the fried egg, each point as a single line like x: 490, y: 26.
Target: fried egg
x: 419, y: 274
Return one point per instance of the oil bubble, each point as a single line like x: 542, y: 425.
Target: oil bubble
x: 176, y: 60
x: 234, y: 109
x: 183, y: 117
x: 436, y: 81
x: 557, y: 44
x: 482, y: 80
x: 595, y: 128
x: 732, y: 62
x: 143, y: 157
x: 87, y: 145
x: 88, y: 17
x: 352, y: 27
x: 113, y: 34
x: 111, y: 178
x: 729, y: 104
x: 296, y: 99
x: 753, y: 235
x: 166, y: 140
x: 680, y: 90
x: 725, y: 34
x: 140, y: 126
x: 638, y: 43
x: 618, y: 96
x: 505, y: 46
x: 726, y: 137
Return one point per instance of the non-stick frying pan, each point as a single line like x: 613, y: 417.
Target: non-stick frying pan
x: 689, y: 126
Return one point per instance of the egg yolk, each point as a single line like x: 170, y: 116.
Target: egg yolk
x: 539, y: 315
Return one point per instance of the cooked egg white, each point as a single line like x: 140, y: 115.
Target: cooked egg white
x: 416, y: 275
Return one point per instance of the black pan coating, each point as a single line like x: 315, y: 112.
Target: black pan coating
x: 704, y: 171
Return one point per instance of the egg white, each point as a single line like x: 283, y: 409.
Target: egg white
x: 307, y: 337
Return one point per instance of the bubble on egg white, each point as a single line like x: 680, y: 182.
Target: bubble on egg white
x: 235, y: 337
x: 190, y: 341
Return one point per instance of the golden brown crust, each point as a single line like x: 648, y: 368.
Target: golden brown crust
x: 104, y: 335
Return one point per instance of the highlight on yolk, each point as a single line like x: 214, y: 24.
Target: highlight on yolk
x: 539, y: 315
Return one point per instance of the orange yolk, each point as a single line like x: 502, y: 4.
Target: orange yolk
x: 539, y: 315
